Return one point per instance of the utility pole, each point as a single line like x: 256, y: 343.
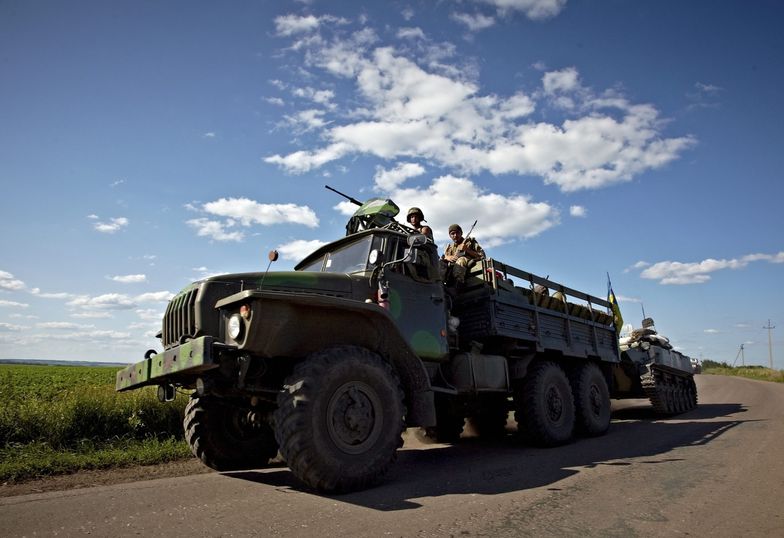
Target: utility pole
x: 770, y: 345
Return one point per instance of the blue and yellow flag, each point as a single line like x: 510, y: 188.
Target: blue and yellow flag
x: 616, y: 310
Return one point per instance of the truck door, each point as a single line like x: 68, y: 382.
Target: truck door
x: 419, y: 310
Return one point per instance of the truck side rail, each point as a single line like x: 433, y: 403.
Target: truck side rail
x: 536, y: 310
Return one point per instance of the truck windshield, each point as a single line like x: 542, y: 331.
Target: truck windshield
x: 352, y: 258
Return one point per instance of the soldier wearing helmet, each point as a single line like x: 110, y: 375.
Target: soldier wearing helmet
x: 462, y: 251
x: 415, y: 217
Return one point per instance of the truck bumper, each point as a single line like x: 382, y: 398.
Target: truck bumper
x: 192, y: 357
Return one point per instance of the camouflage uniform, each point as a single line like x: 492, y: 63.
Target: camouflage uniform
x: 464, y: 261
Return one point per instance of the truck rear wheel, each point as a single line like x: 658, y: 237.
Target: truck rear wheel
x: 340, y: 419
x: 226, y: 437
x: 591, y: 400
x: 544, y: 406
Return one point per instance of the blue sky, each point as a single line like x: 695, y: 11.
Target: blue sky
x: 147, y: 144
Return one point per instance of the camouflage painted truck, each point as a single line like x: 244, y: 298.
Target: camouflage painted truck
x: 369, y: 335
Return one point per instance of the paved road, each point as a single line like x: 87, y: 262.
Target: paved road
x: 716, y: 471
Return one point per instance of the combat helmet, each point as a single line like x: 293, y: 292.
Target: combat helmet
x: 415, y: 211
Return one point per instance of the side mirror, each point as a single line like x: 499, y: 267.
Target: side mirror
x: 272, y: 256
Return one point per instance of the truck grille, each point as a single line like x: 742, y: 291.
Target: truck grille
x: 179, y: 321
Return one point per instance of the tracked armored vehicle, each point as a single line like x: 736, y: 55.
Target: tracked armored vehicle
x: 369, y: 335
x: 651, y: 368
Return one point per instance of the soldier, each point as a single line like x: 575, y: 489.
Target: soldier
x: 462, y: 251
x: 415, y: 217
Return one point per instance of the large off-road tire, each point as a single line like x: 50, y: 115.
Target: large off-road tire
x: 591, y: 400
x: 449, y: 421
x: 490, y: 419
x: 544, y: 406
x: 227, y: 437
x: 340, y: 418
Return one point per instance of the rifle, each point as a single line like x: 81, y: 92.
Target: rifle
x: 346, y: 196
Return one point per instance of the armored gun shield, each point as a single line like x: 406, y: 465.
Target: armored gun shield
x: 375, y: 213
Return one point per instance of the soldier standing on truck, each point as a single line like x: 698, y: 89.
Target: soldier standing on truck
x: 415, y: 217
x: 462, y: 251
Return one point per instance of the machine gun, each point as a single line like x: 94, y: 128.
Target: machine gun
x: 375, y: 213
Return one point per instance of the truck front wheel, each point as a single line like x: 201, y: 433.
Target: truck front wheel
x: 544, y: 407
x: 227, y: 437
x: 591, y: 400
x: 340, y: 418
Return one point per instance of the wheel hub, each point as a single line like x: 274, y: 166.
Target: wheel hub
x: 353, y: 417
x: 554, y: 404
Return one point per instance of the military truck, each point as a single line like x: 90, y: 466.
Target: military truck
x: 370, y: 335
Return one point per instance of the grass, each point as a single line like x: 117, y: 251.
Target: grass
x: 61, y: 419
x: 752, y: 372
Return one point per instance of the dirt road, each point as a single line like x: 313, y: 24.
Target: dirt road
x: 716, y: 471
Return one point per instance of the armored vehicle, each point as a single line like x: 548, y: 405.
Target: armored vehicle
x: 651, y: 368
x: 369, y: 335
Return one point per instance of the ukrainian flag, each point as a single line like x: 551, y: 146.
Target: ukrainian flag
x: 616, y: 310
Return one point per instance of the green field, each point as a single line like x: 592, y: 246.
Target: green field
x: 752, y: 372
x: 61, y: 419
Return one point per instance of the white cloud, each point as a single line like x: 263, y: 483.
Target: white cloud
x: 129, y: 279
x: 8, y: 282
x: 91, y: 315
x: 287, y: 25
x: 277, y: 101
x: 533, y: 9
x: 149, y: 314
x: 59, y: 295
x: 578, y: 211
x: 11, y: 327
x: 108, y: 301
x: 475, y: 22
x: 670, y: 272
x: 13, y: 304
x: 214, y: 229
x: 154, y: 297
x: 249, y: 212
x: 297, y: 250
x: 711, y: 331
x: 387, y: 180
x: 412, y: 108
x: 321, y: 97
x: 449, y: 199
x: 410, y: 33
x: 209, y: 135
x: 65, y: 325
x: 117, y: 183
x: 306, y: 120
x: 625, y: 299
x: 112, y: 226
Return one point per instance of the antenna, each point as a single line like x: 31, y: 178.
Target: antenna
x: 770, y: 345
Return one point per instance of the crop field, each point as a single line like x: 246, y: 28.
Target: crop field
x: 60, y: 419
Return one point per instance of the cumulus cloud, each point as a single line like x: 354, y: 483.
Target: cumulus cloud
x: 13, y: 304
x: 117, y: 301
x: 11, y: 327
x: 64, y: 325
x: 671, y: 272
x: 245, y: 212
x: 448, y: 199
x: 214, y: 229
x: 388, y: 180
x: 111, y: 226
x: 287, y: 25
x: 129, y: 279
x: 417, y: 106
x: 533, y: 9
x: 8, y: 282
x: 248, y: 212
x: 49, y: 295
x: 297, y: 250
x: 578, y: 211
x: 711, y: 331
x: 474, y: 22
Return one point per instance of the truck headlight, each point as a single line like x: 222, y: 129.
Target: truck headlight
x: 235, y: 326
